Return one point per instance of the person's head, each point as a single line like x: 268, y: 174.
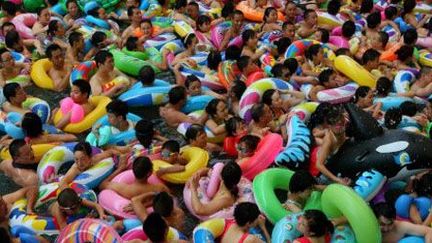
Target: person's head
x: 386, y: 215
x: 270, y: 15
x: 56, y: 55
x: 72, y: 7
x: 192, y: 10
x: 327, y: 78
x: 196, y: 136
x: 76, y: 40
x: 104, y: 59
x: 343, y: 51
x: 381, y: 41
x: 177, y: 95
x: 322, y: 35
x: 213, y: 60
x: 203, y: 23
x: 20, y: 151
x: 44, y: 15
x: 363, y: 96
x: 235, y: 126
x: 292, y: 65
x: 9, y: 8
x: 281, y: 45
x: 392, y: 118
x: 155, y: 227
x: 228, y: 10
x: 408, y: 108
x: 83, y: 155
x: 217, y: 109
x: 348, y: 29
x: 310, y: 17
x: 288, y: 29
x: 80, y: 91
x: 98, y: 12
x: 142, y: 168
x: 366, y: 6
x: 272, y: 98
x: 190, y: 41
x: 144, y: 131
x: 98, y: 39
x: 383, y: 86
x: 246, y: 214
x: 370, y: 59
x: 14, y: 93
x: 250, y: 38
x: 170, y: 151
x: 245, y: 65
x: 117, y: 111
x: 32, y: 125
x: 247, y: 145
x: 280, y: 71
x: 302, y: 184
x: 147, y: 27
x: 334, y: 119
x: 132, y: 43
x: 408, y: 6
x: 55, y: 28
x: 405, y: 53
x: 373, y: 20
x: 163, y: 204
x: 193, y: 85
x: 261, y: 114
x: 410, y: 37
x: 315, y: 53
x: 237, y: 20
x: 391, y: 12
x: 236, y: 90
x: 231, y: 175
x: 423, y: 185
x: 133, y: 3
x: 6, y: 27
x: 180, y: 5
x: 14, y: 41
x: 134, y: 14
x: 232, y: 52
x: 146, y: 75
x: 69, y: 202
x: 333, y: 7
x: 291, y: 10
x: 314, y: 223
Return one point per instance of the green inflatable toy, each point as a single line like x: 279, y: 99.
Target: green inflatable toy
x: 128, y: 64
x: 33, y: 5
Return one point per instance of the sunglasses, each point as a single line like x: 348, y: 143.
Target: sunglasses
x: 166, y: 154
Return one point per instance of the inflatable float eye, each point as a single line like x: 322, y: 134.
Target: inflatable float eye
x: 402, y: 159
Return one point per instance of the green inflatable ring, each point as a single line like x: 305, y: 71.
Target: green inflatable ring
x: 338, y: 200
x: 33, y: 5
x: 142, y: 55
x: 128, y: 64
x: 264, y: 185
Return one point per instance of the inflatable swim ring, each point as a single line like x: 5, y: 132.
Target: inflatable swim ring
x: 146, y: 96
x: 128, y: 64
x: 89, y: 230
x: 404, y: 202
x: 402, y: 81
x: 182, y: 128
x: 425, y: 58
x: 253, y: 14
x: 354, y: 71
x: 38, y: 149
x: 338, y: 95
x: 23, y: 23
x: 39, y: 74
x: 227, y: 73
x: 84, y: 70
x: 138, y: 233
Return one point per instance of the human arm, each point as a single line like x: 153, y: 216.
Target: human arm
x: 141, y: 203
x: 7, y: 107
x: 58, y: 216
x: 122, y: 166
x: 227, y: 37
x: 64, y: 121
x: 96, y: 207
x: 69, y: 177
x: 407, y: 228
x: 215, y: 128
x: 170, y: 169
x: 50, y: 138
x: 31, y: 196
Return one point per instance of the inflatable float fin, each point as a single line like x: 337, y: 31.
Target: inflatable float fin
x: 362, y: 125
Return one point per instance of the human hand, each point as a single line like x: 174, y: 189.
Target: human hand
x: 128, y: 208
x: 344, y: 181
x: 160, y: 173
x: 261, y: 220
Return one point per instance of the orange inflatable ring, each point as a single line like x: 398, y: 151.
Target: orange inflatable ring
x: 253, y: 14
x: 227, y: 73
x: 389, y: 54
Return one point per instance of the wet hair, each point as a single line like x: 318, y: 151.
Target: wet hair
x: 408, y: 6
x: 410, y: 36
x: 213, y: 60
x: 383, y: 86
x: 15, y: 146
x: 317, y: 117
x: 366, y: 6
x: 325, y: 35
x: 384, y: 209
x: 130, y: 11
x: 291, y: 64
x: 146, y: 75
x: 144, y: 131
x: 118, y: 108
x: 231, y: 175
x: 188, y: 40
x: 246, y: 212
x: 404, y: 53
x: 11, y: 38
x: 10, y: 90
x: 232, y: 52
x: 3, y: 50
x: 361, y: 92
x: 52, y: 48
x: 237, y: 12
x: 348, y: 29
x: 102, y: 56
x: 392, y: 118
x: 52, y: 27
x: 231, y: 125
x: 390, y: 12
x: 267, y: 97
x: 333, y: 7
x: 247, y: 35
x: 211, y: 108
x: 84, y: 147
x: 97, y: 38
x: 318, y: 223
x: 307, y: 13
x: 251, y: 142
x: 257, y: 111
x: 373, y: 20
x: 342, y: 51
x: 32, y: 125
x: 243, y: 62
x: 177, y: 94
x: 83, y: 86
x: 190, y: 79
x: 301, y: 181
x: 312, y: 51
x: 324, y: 76
x: 277, y: 70
x: 142, y: 167
x: 384, y: 38
x: 4, y: 233
x: 163, y: 204
x: 131, y: 43
x: 267, y: 13
x: 155, y: 227
x: 193, y: 131
x: 9, y: 7
x: 238, y: 88
x: 228, y: 9
x: 71, y: 1
x: 6, y: 24
x: 202, y: 19
x: 370, y: 55
x: 423, y: 186
x: 408, y: 108
x: 68, y: 198
x: 39, y: 10
x: 74, y: 37
x: 94, y: 12
x: 286, y: 23
x: 282, y: 44
x: 171, y: 145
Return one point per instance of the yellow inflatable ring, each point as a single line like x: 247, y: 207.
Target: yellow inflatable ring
x: 425, y: 58
x: 354, y: 71
x: 39, y: 74
x: 38, y: 149
x: 197, y: 157
x: 100, y: 102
